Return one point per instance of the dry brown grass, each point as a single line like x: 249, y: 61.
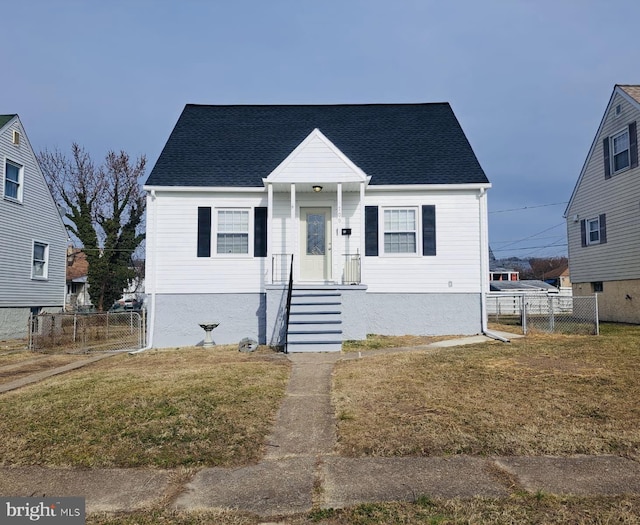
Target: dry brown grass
x: 185, y: 407
x: 548, y: 394
x: 23, y: 364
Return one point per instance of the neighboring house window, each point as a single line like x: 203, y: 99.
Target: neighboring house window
x: 13, y: 181
x: 400, y: 230
x: 233, y: 231
x: 620, y: 151
x: 594, y: 230
x: 597, y: 287
x: 40, y: 264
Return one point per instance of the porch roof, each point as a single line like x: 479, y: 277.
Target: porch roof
x: 394, y: 144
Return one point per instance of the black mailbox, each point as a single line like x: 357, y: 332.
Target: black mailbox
x: 346, y: 231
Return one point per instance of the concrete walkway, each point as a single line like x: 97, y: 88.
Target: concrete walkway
x: 300, y: 471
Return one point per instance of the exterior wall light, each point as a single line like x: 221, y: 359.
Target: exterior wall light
x: 317, y: 188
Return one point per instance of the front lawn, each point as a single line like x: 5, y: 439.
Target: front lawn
x: 544, y: 394
x: 182, y: 407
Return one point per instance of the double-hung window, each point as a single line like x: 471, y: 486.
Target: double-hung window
x: 40, y: 260
x: 12, y: 181
x: 593, y: 231
x: 620, y: 151
x: 233, y: 232
x: 400, y: 230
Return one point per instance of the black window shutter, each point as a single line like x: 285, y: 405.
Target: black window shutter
x: 428, y: 230
x: 603, y: 228
x: 371, y: 230
x: 633, y: 145
x: 204, y: 232
x: 260, y: 232
x: 583, y: 232
x: 607, y: 161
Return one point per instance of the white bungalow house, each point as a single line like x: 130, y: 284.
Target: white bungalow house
x: 33, y: 238
x: 377, y: 213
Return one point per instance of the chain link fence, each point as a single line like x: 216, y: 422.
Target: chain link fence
x: 545, y: 313
x: 87, y: 332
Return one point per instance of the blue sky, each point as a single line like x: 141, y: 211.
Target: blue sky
x: 528, y: 79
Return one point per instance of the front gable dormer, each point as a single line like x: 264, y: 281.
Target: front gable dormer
x: 316, y: 160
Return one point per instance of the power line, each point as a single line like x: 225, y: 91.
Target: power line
x: 534, y: 235
x: 529, y: 207
x: 530, y: 248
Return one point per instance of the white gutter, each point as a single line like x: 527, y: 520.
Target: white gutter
x: 201, y: 189
x: 484, y: 256
x: 152, y: 320
x: 429, y: 187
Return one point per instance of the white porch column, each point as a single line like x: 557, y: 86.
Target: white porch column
x: 339, y: 240
x: 269, y: 269
x: 362, y: 235
x: 292, y: 237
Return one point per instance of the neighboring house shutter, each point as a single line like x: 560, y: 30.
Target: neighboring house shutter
x: 583, y: 232
x: 204, y: 232
x: 607, y: 161
x: 633, y: 144
x: 428, y: 230
x: 260, y: 232
x: 371, y: 230
x: 603, y: 228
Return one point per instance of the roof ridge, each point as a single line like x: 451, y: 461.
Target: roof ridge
x: 345, y: 104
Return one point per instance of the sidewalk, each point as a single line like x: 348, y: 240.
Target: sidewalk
x: 300, y: 471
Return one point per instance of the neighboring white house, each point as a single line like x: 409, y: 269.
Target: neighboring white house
x: 33, y: 238
x: 382, y: 208
x: 603, y: 214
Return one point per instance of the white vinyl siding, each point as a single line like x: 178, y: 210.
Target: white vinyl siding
x: 618, y: 198
x: 457, y: 260
x: 316, y: 163
x: 172, y: 239
x: 36, y: 217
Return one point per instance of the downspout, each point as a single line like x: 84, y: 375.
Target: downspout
x: 152, y: 319
x: 484, y: 265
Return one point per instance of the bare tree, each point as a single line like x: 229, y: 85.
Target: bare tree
x: 104, y: 206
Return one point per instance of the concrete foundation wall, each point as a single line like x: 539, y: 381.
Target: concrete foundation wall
x: 178, y: 317
x: 14, y: 322
x: 423, y: 314
x: 619, y: 301
x: 260, y: 316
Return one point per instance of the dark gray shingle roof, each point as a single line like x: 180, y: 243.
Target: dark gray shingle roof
x: 5, y: 118
x: 392, y: 143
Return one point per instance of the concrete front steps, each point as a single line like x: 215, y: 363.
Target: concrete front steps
x: 315, y: 320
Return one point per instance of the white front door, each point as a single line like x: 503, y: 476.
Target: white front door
x: 315, y: 244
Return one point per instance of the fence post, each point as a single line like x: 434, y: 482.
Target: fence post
x: 75, y: 326
x: 30, y: 345
x: 596, y: 313
x: 524, y: 316
x: 552, y: 319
